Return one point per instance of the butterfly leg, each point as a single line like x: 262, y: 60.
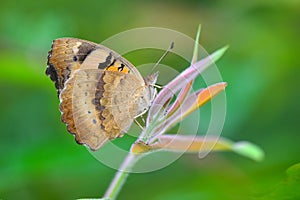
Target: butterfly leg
x: 157, y: 86
x: 139, y: 124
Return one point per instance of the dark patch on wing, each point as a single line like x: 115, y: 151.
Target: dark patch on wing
x: 98, y: 96
x: 52, y: 73
x: 84, y: 50
x: 106, y: 63
x: 75, y: 58
x: 121, y: 67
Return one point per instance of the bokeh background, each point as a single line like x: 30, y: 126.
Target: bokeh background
x: 40, y: 160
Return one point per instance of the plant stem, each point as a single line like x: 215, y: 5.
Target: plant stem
x: 123, y: 172
x: 120, y: 177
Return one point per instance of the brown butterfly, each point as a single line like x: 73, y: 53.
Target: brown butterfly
x: 100, y: 92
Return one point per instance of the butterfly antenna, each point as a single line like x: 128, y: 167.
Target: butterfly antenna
x: 163, y: 56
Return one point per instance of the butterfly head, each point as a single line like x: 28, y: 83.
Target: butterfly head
x: 150, y: 81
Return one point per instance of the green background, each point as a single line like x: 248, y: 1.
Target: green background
x: 40, y: 160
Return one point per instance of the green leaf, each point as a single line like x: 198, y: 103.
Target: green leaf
x: 288, y: 189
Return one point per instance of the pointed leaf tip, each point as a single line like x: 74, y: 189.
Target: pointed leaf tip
x: 249, y: 150
x: 198, y: 33
x: 219, y: 53
x: 195, y: 52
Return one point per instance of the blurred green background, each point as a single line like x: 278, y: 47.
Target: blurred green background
x: 40, y: 160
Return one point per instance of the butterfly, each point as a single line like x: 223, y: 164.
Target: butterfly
x: 100, y: 92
